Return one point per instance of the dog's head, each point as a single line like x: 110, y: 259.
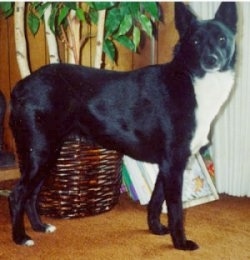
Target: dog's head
x: 206, y: 46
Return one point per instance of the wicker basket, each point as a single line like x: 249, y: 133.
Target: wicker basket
x: 85, y: 181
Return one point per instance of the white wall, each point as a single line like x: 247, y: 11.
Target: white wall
x: 231, y: 132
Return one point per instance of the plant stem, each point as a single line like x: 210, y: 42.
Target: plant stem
x: 99, y: 38
x: 20, y: 39
x: 74, y: 37
x: 50, y: 37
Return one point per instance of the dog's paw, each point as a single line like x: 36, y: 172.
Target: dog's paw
x: 50, y: 228
x: 23, y: 240
x: 188, y: 245
x: 29, y: 242
x: 158, y: 229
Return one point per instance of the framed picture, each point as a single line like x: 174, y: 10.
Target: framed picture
x: 198, y: 186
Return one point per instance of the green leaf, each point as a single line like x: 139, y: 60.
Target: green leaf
x: 70, y: 5
x: 52, y: 18
x: 125, y: 25
x: 35, y: 4
x: 146, y: 24
x: 63, y: 14
x: 136, y: 37
x: 33, y: 23
x: 109, y: 49
x: 7, y: 8
x: 93, y: 15
x: 112, y: 22
x: 152, y: 9
x: 125, y: 41
x: 130, y: 7
x: 41, y: 9
x: 80, y: 14
x: 102, y: 5
x: 124, y: 8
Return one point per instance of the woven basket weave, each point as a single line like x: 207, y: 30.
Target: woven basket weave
x: 86, y: 180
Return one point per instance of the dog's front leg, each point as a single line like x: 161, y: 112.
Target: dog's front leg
x: 155, y: 209
x: 172, y: 178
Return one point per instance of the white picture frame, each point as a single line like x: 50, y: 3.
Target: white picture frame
x: 198, y: 187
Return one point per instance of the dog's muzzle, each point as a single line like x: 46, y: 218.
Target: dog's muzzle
x: 210, y: 63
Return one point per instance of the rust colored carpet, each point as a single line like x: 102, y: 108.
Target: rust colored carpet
x: 221, y: 228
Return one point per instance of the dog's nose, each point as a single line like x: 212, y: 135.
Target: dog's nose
x: 210, y: 61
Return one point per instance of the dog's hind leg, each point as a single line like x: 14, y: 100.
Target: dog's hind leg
x: 155, y: 209
x: 35, y: 162
x: 23, y: 199
x: 16, y: 203
x: 33, y: 215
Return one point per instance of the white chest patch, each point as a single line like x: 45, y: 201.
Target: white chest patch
x: 211, y: 92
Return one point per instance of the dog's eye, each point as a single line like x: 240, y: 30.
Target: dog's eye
x: 222, y: 39
x: 196, y: 42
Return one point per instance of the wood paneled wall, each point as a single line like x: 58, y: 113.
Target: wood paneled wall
x: 9, y: 73
x: 157, y: 51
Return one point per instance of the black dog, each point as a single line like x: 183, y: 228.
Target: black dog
x: 160, y: 114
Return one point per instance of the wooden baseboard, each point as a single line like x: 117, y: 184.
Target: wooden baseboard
x: 9, y: 174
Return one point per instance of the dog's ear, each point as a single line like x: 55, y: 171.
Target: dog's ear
x: 183, y: 18
x: 227, y: 14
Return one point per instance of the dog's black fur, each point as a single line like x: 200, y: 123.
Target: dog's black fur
x: 148, y: 114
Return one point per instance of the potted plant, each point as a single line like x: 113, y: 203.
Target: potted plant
x: 64, y: 22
